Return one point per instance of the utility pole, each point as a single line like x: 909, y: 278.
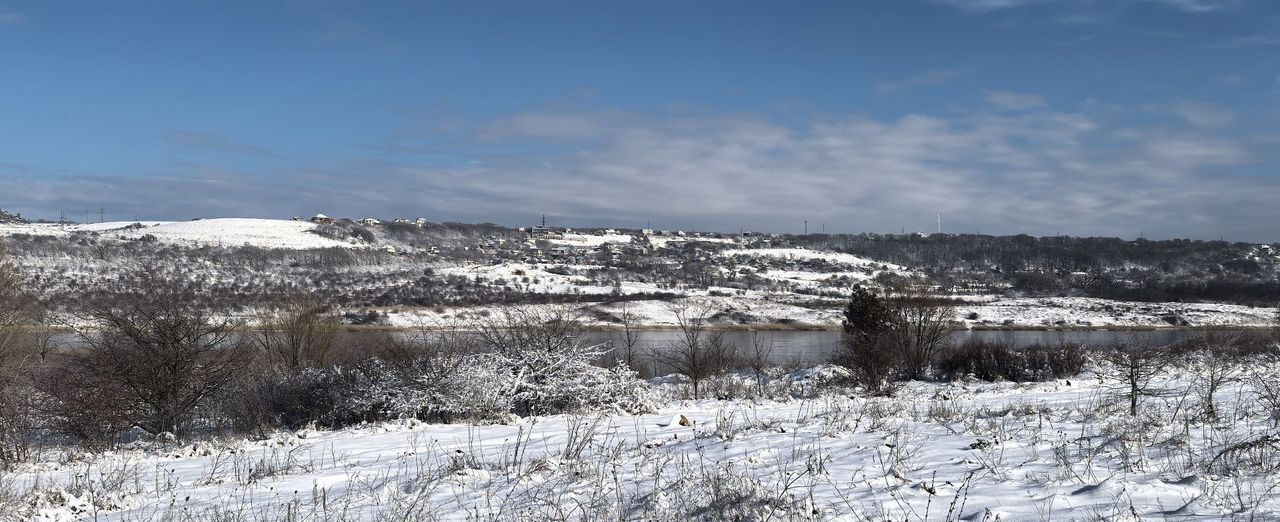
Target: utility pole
x: 102, y: 215
x: 939, y: 223
x: 806, y: 227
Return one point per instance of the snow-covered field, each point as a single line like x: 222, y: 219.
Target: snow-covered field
x: 1090, y: 312
x: 646, y: 313
x: 264, y: 233
x: 806, y: 254
x: 1060, y: 450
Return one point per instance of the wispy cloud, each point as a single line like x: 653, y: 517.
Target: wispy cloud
x: 991, y: 5
x: 1195, y: 113
x: 926, y: 79
x: 1009, y: 100
x: 1199, y: 114
x: 1009, y: 163
x: 214, y: 142
x: 1196, y: 6
x: 1244, y: 42
x: 11, y: 17
x: 1190, y: 6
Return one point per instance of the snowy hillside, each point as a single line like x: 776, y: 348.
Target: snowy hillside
x: 263, y: 233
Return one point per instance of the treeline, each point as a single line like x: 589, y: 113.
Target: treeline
x: 1112, y: 268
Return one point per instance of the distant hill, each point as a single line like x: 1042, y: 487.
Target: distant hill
x: 11, y: 219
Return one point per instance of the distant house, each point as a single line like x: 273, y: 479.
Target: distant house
x: 323, y: 219
x: 543, y: 232
x: 368, y: 222
x: 422, y: 222
x: 402, y: 221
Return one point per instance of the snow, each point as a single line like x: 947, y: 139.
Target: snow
x: 265, y: 233
x: 1060, y: 450
x: 1092, y: 312
x: 806, y: 254
x: 590, y: 240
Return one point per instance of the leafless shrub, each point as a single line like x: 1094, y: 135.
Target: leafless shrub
x: 1216, y: 365
x: 169, y: 357
x: 701, y: 351
x: 921, y: 328
x: 20, y: 423
x: 1255, y: 456
x: 298, y: 331
x: 627, y: 349
x: 1135, y: 366
x: 87, y: 402
x: 996, y: 361
x: 759, y: 358
x: 18, y: 311
x: 890, y: 339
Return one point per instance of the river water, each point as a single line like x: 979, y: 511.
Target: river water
x: 811, y: 347
x: 815, y: 346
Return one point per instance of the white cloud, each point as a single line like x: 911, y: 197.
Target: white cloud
x: 1013, y: 100
x: 1198, y: 114
x: 1190, y: 6
x: 1036, y: 170
x: 925, y: 79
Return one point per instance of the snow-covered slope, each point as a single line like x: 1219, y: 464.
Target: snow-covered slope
x: 266, y: 233
x: 802, y: 254
x: 1060, y: 450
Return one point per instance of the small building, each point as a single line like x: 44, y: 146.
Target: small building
x: 422, y: 222
x: 368, y: 222
x: 323, y: 219
x: 543, y: 232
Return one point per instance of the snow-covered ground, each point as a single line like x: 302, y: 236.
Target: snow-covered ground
x: 1060, y: 450
x: 644, y: 313
x: 1090, y: 312
x: 806, y: 254
x: 590, y: 240
x: 265, y: 233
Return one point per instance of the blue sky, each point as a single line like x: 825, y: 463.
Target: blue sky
x: 1084, y: 117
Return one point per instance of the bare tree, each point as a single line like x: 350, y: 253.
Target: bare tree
x: 921, y: 328
x: 18, y: 348
x: 759, y: 359
x: 629, y: 352
x: 18, y: 313
x: 1136, y: 365
x: 515, y: 330
x: 700, y: 352
x: 169, y: 356
x: 299, y: 331
x: 1217, y: 367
